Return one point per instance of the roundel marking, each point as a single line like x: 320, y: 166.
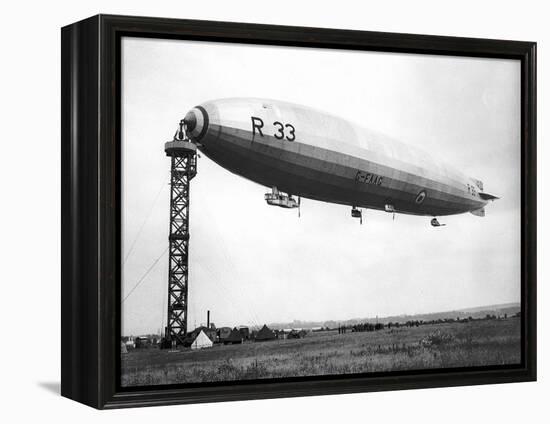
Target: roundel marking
x: 420, y: 197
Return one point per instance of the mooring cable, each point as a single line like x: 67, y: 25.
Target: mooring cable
x: 145, y: 275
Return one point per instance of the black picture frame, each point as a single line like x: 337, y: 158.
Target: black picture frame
x: 91, y: 212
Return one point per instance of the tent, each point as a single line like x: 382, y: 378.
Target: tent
x: 265, y: 334
x: 192, y: 335
x: 234, y: 338
x: 202, y: 341
x: 211, y: 333
x: 123, y: 348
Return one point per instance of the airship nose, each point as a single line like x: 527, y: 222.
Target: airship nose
x: 196, y: 123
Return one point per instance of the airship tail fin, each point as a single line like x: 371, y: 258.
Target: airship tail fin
x: 487, y: 196
x: 478, y: 212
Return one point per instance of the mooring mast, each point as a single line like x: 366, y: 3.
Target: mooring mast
x: 183, y: 156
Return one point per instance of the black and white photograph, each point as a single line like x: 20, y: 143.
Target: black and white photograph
x: 294, y: 212
x: 285, y: 212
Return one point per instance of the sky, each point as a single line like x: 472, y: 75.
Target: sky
x: 252, y: 264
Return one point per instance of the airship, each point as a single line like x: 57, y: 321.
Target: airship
x: 300, y: 152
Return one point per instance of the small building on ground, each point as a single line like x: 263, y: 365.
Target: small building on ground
x: 142, y: 342
x: 223, y: 333
x: 297, y: 334
x: 235, y: 337
x: 245, y: 332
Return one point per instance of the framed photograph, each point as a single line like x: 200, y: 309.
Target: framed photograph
x: 255, y: 211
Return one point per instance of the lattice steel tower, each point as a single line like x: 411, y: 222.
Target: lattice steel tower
x: 183, y: 156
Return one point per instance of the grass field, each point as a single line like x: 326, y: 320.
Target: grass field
x: 457, y: 344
